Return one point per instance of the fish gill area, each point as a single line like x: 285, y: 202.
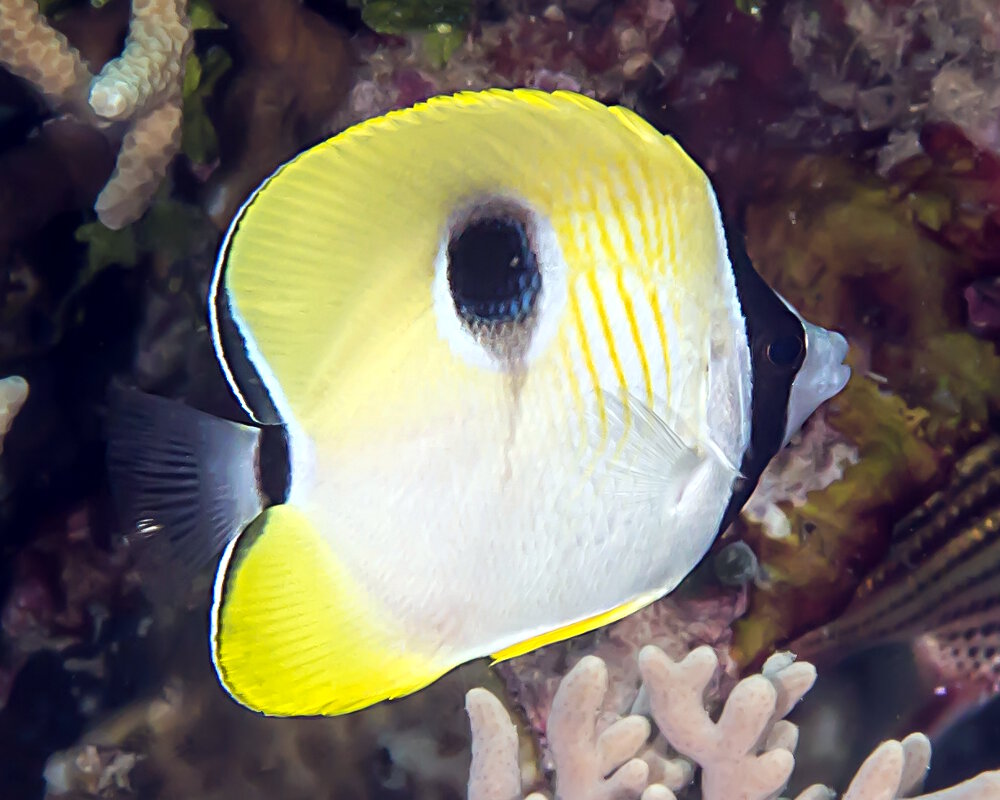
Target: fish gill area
x: 857, y: 142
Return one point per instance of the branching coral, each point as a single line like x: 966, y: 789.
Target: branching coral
x: 746, y: 754
x: 32, y: 49
x: 142, y: 87
x: 676, y: 624
x: 13, y: 393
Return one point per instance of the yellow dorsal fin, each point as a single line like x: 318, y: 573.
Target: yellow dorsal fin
x: 293, y: 633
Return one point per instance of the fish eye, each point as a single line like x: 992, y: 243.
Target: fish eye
x: 785, y: 351
x: 493, y: 271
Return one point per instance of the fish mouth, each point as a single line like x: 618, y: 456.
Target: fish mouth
x: 829, y: 349
x: 823, y: 375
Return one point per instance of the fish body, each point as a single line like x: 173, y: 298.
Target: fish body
x: 521, y: 375
x: 939, y: 584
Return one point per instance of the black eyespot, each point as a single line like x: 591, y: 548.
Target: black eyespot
x: 492, y: 271
x: 785, y: 351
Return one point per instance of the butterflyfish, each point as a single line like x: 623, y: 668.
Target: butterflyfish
x: 517, y: 376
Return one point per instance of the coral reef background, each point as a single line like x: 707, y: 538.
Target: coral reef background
x: 857, y: 142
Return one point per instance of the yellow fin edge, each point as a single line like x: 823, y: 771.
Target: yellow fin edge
x: 574, y: 628
x: 295, y: 635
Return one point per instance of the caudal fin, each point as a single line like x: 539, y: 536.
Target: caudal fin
x: 185, y: 483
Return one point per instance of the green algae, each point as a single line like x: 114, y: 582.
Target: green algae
x: 440, y: 42
x: 198, y: 138
x: 865, y: 255
x: 171, y: 229
x: 391, y: 16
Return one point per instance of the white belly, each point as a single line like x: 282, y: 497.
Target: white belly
x: 487, y: 526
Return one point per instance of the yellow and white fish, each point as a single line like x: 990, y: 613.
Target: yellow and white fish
x: 517, y: 379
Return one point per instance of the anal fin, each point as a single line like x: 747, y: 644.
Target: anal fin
x: 578, y: 628
x: 294, y: 634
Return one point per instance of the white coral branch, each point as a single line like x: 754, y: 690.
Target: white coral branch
x: 733, y: 764
x: 746, y: 753
x: 494, y: 774
x: 35, y: 51
x: 583, y: 756
x: 142, y: 87
x: 150, y: 68
x: 895, y: 769
x: 591, y: 766
x: 146, y: 152
x: 13, y: 393
x: 673, y: 773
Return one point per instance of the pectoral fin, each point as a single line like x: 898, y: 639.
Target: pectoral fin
x: 295, y: 634
x: 660, y: 462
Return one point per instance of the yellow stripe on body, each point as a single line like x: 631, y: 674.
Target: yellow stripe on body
x: 642, y: 203
x: 616, y: 364
x: 609, y: 336
x: 691, y: 250
x: 627, y: 209
x: 636, y: 335
x: 601, y: 218
x: 661, y: 331
x: 588, y: 359
x: 640, y: 213
x: 579, y: 249
x: 658, y: 253
x: 674, y: 259
x: 594, y: 244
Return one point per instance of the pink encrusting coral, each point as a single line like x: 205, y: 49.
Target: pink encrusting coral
x: 552, y: 49
x: 899, y: 65
x: 674, y: 624
x: 813, y: 460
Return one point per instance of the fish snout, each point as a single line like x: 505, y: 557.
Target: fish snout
x: 823, y: 375
x: 829, y: 349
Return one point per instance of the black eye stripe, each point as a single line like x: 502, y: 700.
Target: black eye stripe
x: 777, y: 349
x: 786, y: 351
